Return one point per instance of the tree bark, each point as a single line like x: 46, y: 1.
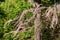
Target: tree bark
x: 38, y: 28
x: 38, y: 25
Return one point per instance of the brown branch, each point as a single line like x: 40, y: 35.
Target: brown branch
x: 54, y: 21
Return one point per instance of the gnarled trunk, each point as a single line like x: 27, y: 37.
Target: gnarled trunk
x: 38, y: 28
x: 38, y: 24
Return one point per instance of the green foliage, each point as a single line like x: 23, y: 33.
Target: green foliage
x: 9, y: 10
x: 8, y: 37
x: 26, y: 35
x: 21, y: 35
x: 46, y: 34
x: 11, y: 7
x: 27, y: 16
x: 47, y: 2
x: 31, y: 23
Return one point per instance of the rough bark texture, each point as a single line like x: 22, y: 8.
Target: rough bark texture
x: 38, y: 24
x: 38, y: 28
